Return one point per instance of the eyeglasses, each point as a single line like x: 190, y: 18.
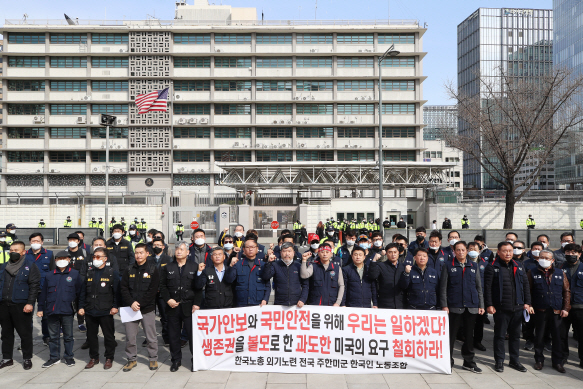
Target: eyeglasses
x: 519, y: 248
x: 228, y: 241
x: 97, y: 257
x: 250, y: 247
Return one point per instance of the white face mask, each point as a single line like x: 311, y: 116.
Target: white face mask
x: 510, y: 241
x: 132, y: 232
x: 148, y: 239
x: 97, y: 263
x: 199, y: 242
x: 544, y: 263
x: 452, y: 242
x: 378, y: 243
x: 535, y: 253
x: 518, y: 251
x: 2, y: 239
x: 350, y: 242
x: 238, y: 234
x: 564, y: 244
x: 62, y: 263
x: 13, y: 231
x: 315, y: 246
x: 35, y: 246
x: 434, y: 248
x: 544, y: 245
x: 73, y: 244
x: 473, y: 254
x: 116, y: 235
x: 228, y: 246
x: 330, y: 233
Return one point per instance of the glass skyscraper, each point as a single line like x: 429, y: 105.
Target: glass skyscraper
x: 518, y: 41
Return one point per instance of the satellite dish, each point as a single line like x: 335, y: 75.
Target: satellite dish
x: 69, y: 20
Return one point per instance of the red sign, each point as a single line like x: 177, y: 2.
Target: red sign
x: 194, y: 225
x: 274, y: 225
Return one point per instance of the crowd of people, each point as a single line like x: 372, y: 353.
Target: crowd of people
x: 537, y: 293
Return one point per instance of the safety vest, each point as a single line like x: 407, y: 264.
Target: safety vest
x: 581, y: 224
x: 93, y: 224
x: 179, y: 228
x: 530, y: 222
x: 111, y: 224
x: 4, y: 255
x: 42, y: 225
x: 68, y: 224
x: 100, y: 225
x: 467, y: 221
x: 142, y: 226
x: 297, y: 226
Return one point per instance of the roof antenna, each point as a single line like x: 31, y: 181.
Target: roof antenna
x: 24, y: 17
x: 316, y: 11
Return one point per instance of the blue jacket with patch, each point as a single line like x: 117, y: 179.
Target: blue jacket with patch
x: 59, y: 292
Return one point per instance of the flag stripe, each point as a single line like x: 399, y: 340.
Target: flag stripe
x: 156, y: 101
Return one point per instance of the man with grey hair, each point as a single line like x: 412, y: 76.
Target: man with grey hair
x: 290, y: 288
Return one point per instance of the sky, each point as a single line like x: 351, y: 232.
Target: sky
x: 441, y: 16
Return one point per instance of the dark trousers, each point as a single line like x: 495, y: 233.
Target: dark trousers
x: 479, y: 329
x: 575, y: 319
x: 507, y: 322
x: 162, y: 306
x: 528, y: 329
x: 108, y: 330
x: 469, y: 321
x: 176, y: 322
x: 12, y: 318
x: 56, y: 322
x: 547, y: 320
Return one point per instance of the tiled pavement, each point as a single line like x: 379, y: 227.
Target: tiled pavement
x: 61, y: 376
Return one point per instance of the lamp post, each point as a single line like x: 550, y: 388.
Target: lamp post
x: 391, y: 52
x: 107, y: 121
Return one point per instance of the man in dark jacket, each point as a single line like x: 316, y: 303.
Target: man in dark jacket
x: 290, y: 289
x: 325, y: 278
x: 506, y: 296
x: 420, y: 283
x: 98, y: 302
x: 559, y: 255
x: 401, y: 223
x: 446, y: 225
x: 217, y: 281
x: 20, y: 281
x: 177, y: 288
x: 345, y: 251
x: 121, y: 248
x: 485, y: 253
x: 387, y: 275
x: 573, y: 268
x: 199, y: 251
x: 420, y: 241
x: 161, y: 260
x: 250, y: 288
x: 360, y: 289
x: 139, y: 287
x: 60, y: 290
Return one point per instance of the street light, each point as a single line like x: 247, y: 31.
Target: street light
x: 107, y: 121
x: 391, y: 52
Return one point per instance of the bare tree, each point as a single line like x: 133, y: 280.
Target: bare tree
x: 513, y: 119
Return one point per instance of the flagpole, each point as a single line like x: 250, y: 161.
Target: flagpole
x: 171, y: 135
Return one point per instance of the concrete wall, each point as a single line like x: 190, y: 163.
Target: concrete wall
x: 491, y: 215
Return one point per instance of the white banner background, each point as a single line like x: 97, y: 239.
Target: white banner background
x: 316, y: 339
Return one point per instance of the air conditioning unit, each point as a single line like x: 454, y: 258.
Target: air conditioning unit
x: 38, y: 170
x: 318, y: 146
x: 202, y: 170
x: 370, y: 97
x: 346, y: 146
x: 120, y: 121
x: 327, y: 146
x: 218, y: 50
x: 265, y: 146
x: 355, y: 146
x: 356, y: 98
x: 193, y: 170
x: 114, y: 170
x: 352, y: 122
x: 298, y: 122
x: 245, y: 146
x: 81, y: 120
x: 123, y: 50
x: 313, y: 50
x: 95, y: 169
x: 87, y: 97
x: 297, y: 97
x: 306, y: 122
x: 245, y: 98
x: 360, y: 51
x: 204, y: 121
x: 102, y: 146
x: 362, y: 98
x: 38, y: 119
x: 236, y: 144
x: 275, y: 122
x: 52, y: 170
x: 177, y: 97
x: 181, y: 121
x: 282, y: 122
x: 192, y: 121
x: 176, y: 146
x: 341, y: 121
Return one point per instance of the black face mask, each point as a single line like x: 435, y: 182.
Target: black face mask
x: 14, y: 257
x: 420, y: 238
x: 571, y: 258
x: 401, y: 248
x: 158, y: 250
x: 80, y: 242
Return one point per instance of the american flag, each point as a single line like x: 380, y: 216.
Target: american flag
x: 152, y: 102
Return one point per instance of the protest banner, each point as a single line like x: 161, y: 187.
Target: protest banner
x: 319, y: 339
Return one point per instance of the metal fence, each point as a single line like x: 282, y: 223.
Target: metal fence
x: 56, y: 236
x: 82, y: 198
x: 532, y: 196
x: 183, y: 22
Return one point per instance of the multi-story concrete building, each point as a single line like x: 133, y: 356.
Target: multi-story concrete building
x: 518, y: 41
x: 261, y: 106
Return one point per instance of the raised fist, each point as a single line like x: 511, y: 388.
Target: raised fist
x: 234, y: 261
x: 408, y: 269
x: 201, y: 266
x: 236, y: 249
x: 376, y: 257
x: 271, y: 246
x: 306, y: 256
x: 272, y: 258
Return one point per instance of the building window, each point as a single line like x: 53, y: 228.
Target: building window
x: 399, y: 109
x: 121, y: 109
x: 274, y: 156
x: 114, y: 156
x: 314, y: 86
x: 432, y: 154
x: 26, y: 86
x: 398, y: 85
x: 355, y: 62
x: 68, y: 38
x: 356, y: 155
x: 68, y: 133
x: 452, y: 159
x: 23, y: 37
x: 274, y: 109
x: 26, y: 156
x: 26, y: 62
x: 68, y: 109
x: 315, y: 39
x: 109, y: 62
x: 192, y: 156
x: 233, y: 39
x: 192, y: 132
x: 274, y: 62
x: 355, y: 109
x: 114, y: 133
x: 456, y: 184
x: 232, y: 62
x: 192, y: 109
x: 274, y: 39
x: 403, y: 39
x: 26, y: 133
x: 192, y: 39
x: 399, y: 155
x: 232, y: 132
x: 398, y: 62
x: 67, y: 156
x: 192, y: 62
x: 26, y: 109
x: 311, y: 132
x: 314, y: 62
x: 25, y: 180
x: 192, y: 179
x: 315, y: 109
x: 274, y: 132
x: 192, y: 85
x: 69, y: 86
x: 314, y: 155
x: 109, y: 86
x: 68, y: 62
x: 227, y: 86
x: 367, y: 39
x: 272, y: 86
x: 114, y: 180
x: 232, y: 109
x: 233, y: 156
x: 356, y: 132
x: 406, y: 132
x: 109, y: 39
x: 355, y: 85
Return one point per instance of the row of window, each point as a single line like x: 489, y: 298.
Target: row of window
x: 67, y: 86
x: 65, y: 180
x: 287, y: 109
x: 66, y: 109
x: 286, y: 85
x: 66, y: 156
x: 68, y: 62
x: 287, y: 62
x: 99, y: 39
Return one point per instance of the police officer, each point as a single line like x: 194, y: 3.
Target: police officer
x: 142, y: 226
x: 250, y: 288
x: 290, y: 289
x: 387, y: 275
x: 573, y: 268
x: 530, y: 224
x: 68, y: 223
x: 551, y: 301
x: 111, y: 224
x: 4, y: 248
x: 465, y: 222
x: 326, y: 279
x: 420, y: 283
x: 101, y: 226
x: 123, y: 224
x: 330, y: 234
x: 41, y: 224
x: 297, y: 231
x: 581, y: 223
x: 217, y: 281
x: 121, y: 248
x: 19, y: 287
x: 92, y: 223
x: 360, y: 289
x: 177, y: 289
x: 98, y: 302
x: 462, y: 298
x: 506, y: 296
x: 134, y: 236
x: 179, y: 230
x: 10, y: 234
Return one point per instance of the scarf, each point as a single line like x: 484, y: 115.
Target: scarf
x: 13, y: 267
